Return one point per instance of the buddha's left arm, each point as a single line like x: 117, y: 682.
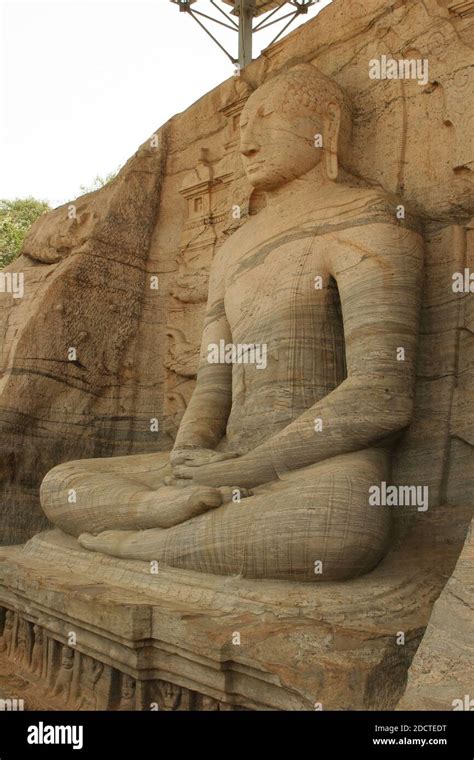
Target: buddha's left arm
x: 378, y: 270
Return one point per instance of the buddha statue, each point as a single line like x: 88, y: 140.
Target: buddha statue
x: 306, y: 373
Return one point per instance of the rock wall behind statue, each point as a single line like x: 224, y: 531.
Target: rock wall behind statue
x: 121, y: 277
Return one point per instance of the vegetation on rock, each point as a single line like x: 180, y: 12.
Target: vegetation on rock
x: 16, y: 217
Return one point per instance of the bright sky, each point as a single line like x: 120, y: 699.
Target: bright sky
x: 83, y: 84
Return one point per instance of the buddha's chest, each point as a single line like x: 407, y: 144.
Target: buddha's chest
x: 279, y: 280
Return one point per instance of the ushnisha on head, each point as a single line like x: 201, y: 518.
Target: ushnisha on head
x: 281, y: 120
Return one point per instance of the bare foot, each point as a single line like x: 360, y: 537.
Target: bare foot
x: 181, y: 504
x: 125, y: 544
x: 148, y: 544
x: 170, y: 506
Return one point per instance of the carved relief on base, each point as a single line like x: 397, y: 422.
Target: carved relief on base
x: 79, y: 681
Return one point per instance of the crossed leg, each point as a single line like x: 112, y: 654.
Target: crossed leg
x: 125, y: 493
x: 314, y: 525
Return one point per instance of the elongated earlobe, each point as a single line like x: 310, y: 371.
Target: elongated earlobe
x: 332, y: 124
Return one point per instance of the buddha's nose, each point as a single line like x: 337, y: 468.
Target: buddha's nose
x: 249, y: 147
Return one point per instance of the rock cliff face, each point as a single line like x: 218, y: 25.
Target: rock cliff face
x: 99, y: 357
x: 71, y: 352
x: 104, y: 342
x: 442, y: 672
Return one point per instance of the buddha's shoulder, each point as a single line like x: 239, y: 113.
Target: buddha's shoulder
x: 348, y: 201
x: 355, y: 206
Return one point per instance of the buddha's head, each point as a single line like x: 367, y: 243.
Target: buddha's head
x: 291, y: 124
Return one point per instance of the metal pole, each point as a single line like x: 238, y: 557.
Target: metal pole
x: 246, y: 12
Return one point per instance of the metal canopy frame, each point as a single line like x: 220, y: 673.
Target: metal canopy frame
x: 246, y: 11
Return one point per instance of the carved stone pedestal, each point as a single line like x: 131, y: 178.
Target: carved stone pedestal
x: 97, y: 633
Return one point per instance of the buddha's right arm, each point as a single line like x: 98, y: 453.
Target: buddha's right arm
x: 205, y: 420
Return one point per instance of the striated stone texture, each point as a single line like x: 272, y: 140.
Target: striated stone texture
x: 316, y: 296
x: 268, y: 645
x: 441, y: 676
x: 86, y: 281
x: 409, y: 141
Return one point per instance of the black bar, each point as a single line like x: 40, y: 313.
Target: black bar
x: 323, y: 735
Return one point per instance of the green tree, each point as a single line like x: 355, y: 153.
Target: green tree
x: 16, y: 217
x: 99, y: 182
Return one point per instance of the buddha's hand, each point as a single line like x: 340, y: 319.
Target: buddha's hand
x: 198, y: 457
x: 184, y: 457
x: 244, y: 471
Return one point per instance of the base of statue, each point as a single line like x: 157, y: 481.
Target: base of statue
x: 87, y: 631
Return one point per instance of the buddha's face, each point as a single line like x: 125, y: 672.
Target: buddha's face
x: 277, y: 141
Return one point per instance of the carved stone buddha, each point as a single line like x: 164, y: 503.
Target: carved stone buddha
x: 270, y: 473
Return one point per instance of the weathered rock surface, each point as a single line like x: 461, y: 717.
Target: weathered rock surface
x: 441, y: 676
x: 139, y: 367
x: 70, y: 355
x: 211, y: 642
x: 411, y: 141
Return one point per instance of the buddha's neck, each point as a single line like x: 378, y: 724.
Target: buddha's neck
x: 314, y: 182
